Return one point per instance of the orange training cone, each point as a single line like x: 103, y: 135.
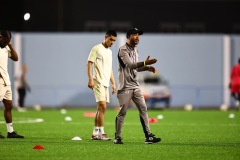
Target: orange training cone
x: 38, y: 147
x: 152, y: 120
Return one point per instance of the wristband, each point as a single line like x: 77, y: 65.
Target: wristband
x: 144, y: 63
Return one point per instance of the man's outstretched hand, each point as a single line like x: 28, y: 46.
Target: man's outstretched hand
x: 151, y: 69
x: 150, y: 61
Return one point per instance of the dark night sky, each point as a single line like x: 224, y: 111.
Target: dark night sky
x: 210, y: 16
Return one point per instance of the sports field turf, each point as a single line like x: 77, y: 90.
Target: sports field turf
x: 196, y: 135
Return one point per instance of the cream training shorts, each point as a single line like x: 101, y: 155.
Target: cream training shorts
x: 101, y: 92
x: 5, y: 91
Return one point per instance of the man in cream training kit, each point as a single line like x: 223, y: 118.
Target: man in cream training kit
x: 7, y: 51
x: 100, y: 61
x: 128, y: 87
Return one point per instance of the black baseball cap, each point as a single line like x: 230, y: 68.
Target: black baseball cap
x: 134, y: 31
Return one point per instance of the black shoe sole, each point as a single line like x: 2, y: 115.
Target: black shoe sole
x: 118, y: 142
x: 152, y: 142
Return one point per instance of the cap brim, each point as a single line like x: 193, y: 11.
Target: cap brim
x: 133, y: 31
x: 140, y: 32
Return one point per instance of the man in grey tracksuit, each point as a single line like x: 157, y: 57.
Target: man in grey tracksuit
x: 128, y: 86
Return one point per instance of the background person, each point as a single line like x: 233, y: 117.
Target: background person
x: 7, y: 51
x: 22, y: 88
x: 100, y: 60
x: 235, y: 83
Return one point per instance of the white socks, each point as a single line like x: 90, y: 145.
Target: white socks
x: 95, y: 130
x: 98, y: 130
x: 9, y: 127
x: 101, y: 130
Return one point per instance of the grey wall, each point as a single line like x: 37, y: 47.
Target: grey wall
x: 193, y: 64
x: 235, y: 49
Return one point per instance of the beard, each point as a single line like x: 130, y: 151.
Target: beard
x: 134, y: 41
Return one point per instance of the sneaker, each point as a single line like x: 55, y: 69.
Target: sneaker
x: 152, y: 139
x: 118, y: 140
x: 105, y: 137
x: 95, y: 137
x: 1, y: 136
x: 22, y: 109
x: 14, y: 135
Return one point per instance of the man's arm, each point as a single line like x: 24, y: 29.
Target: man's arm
x: 127, y: 61
x: 113, y: 83
x: 90, y: 77
x: 14, y: 55
x: 146, y: 68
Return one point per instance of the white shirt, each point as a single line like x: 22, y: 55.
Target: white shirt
x: 102, y: 61
x: 5, y: 53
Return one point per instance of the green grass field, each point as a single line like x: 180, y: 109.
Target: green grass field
x: 197, y: 135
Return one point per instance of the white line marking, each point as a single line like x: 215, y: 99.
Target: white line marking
x: 36, y: 120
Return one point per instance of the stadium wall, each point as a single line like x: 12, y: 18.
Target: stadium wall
x: 193, y: 65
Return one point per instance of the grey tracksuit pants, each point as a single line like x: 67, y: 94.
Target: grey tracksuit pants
x: 124, y: 98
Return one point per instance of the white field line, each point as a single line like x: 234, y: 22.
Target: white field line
x: 28, y: 120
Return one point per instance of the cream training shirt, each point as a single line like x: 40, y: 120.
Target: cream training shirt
x: 5, y: 53
x: 102, y: 61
